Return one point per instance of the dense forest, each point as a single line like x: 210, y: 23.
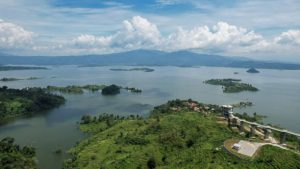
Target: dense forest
x: 27, y: 101
x: 178, y: 134
x: 12, y: 156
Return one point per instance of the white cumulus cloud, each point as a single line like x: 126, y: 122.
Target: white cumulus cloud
x: 136, y: 33
x: 140, y: 33
x: 291, y: 37
x: 91, y: 41
x: 13, y: 36
x: 220, y: 37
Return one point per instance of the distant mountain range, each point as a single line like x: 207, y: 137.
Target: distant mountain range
x: 147, y: 58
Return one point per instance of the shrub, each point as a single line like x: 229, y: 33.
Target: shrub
x: 151, y: 164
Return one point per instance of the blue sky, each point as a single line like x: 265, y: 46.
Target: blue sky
x: 260, y: 29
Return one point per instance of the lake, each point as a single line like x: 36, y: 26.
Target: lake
x: 278, y: 99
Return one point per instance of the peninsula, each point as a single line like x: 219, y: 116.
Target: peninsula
x: 27, y: 101
x: 73, y: 89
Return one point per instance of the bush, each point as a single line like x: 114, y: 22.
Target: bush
x: 151, y: 164
x: 136, y: 140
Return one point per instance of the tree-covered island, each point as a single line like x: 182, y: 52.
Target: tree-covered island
x: 8, y: 79
x: 252, y: 70
x: 133, y: 69
x: 232, y: 85
x: 111, y: 90
x: 105, y: 89
x: 8, y: 68
x: 27, y: 101
x: 179, y: 134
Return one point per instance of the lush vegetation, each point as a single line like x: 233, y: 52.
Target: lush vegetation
x: 27, y: 101
x: 13, y: 156
x: 111, y: 90
x: 252, y: 70
x: 7, y: 68
x: 232, y: 85
x: 75, y: 89
x: 7, y: 79
x: 134, y: 69
x: 174, y: 136
x: 106, y: 90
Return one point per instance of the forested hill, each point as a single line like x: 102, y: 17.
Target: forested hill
x: 28, y: 101
x: 147, y: 58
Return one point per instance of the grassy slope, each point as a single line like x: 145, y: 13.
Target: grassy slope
x: 167, y: 141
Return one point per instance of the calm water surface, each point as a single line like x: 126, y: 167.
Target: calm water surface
x: 278, y: 99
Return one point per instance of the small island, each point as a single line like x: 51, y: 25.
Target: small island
x: 252, y: 70
x: 111, y: 90
x: 8, y: 79
x: 27, y: 101
x: 232, y: 85
x: 134, y: 69
x: 7, y: 68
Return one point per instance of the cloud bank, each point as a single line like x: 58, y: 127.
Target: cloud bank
x: 221, y: 38
x: 140, y: 33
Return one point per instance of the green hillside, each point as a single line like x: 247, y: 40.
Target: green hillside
x: 174, y: 136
